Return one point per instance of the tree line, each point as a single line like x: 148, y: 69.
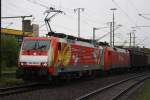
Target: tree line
x: 9, y: 51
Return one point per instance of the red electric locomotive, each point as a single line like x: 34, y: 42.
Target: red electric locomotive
x: 116, y: 58
x: 54, y: 56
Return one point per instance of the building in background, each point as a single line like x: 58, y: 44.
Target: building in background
x: 35, y: 30
x: 28, y: 27
x: 29, y: 31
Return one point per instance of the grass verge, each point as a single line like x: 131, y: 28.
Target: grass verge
x: 10, y: 81
x: 8, y: 69
x: 142, y: 93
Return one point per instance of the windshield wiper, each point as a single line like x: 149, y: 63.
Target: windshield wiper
x: 42, y: 46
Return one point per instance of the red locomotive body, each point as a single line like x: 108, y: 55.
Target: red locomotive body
x: 116, y: 58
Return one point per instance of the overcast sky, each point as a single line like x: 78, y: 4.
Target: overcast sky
x: 96, y: 13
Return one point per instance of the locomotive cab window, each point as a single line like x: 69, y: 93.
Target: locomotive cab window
x: 36, y: 44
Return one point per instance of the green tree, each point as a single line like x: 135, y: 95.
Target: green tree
x: 9, y: 51
x: 147, y: 50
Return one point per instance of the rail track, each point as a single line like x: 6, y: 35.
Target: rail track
x: 115, y: 90
x: 21, y: 88
x: 56, y: 92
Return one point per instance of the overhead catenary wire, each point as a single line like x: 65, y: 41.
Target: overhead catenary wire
x: 35, y: 2
x: 88, y: 20
x: 14, y: 6
x: 147, y: 18
x: 85, y: 20
x: 129, y: 18
x: 44, y: 6
x: 68, y: 9
x: 65, y: 8
x: 107, y: 34
x: 142, y: 41
x: 133, y: 6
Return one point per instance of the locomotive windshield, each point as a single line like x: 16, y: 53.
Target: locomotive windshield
x: 36, y: 45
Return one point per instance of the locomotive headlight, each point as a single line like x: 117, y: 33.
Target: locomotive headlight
x: 44, y: 64
x: 22, y: 63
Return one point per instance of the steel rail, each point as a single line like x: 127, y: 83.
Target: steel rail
x: 100, y: 90
x: 17, y: 89
x: 119, y: 95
